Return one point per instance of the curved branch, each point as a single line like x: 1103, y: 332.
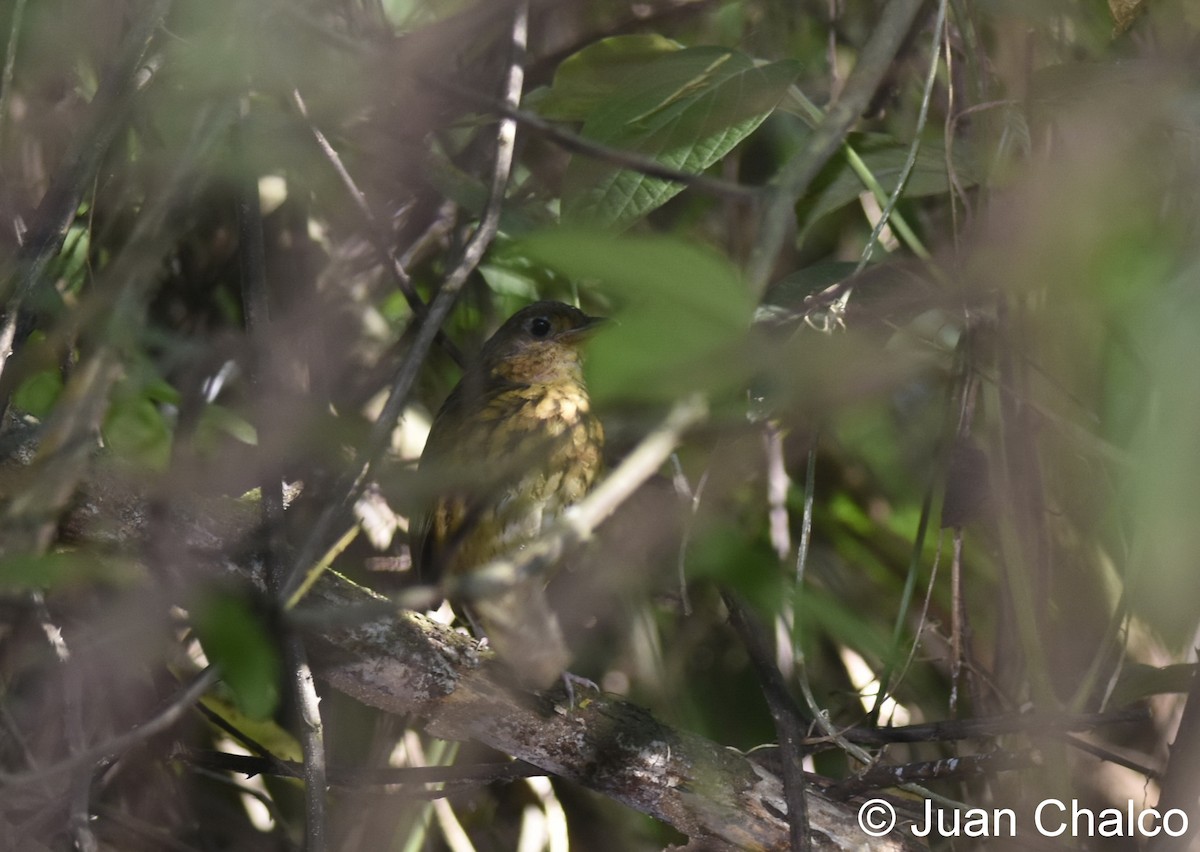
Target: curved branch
x: 405, y: 663
x: 412, y: 665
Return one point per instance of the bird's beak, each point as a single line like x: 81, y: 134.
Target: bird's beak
x: 589, y: 327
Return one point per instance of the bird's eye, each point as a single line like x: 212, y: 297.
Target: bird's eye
x: 540, y: 327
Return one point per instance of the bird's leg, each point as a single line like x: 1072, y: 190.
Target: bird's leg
x: 569, y: 683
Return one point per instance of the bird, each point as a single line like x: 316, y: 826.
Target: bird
x: 515, y: 443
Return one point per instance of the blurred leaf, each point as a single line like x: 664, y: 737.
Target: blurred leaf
x: 1163, y: 589
x: 1139, y: 681
x: 790, y: 291
x: 39, y: 392
x: 471, y: 194
x: 509, y: 280
x: 216, y: 421
x: 74, y: 258
x: 748, y: 566
x: 685, y: 309
x: 884, y: 156
x: 850, y: 514
x: 827, y: 617
x: 1125, y: 12
x: 235, y: 641
x: 158, y: 390
x: 586, y: 79
x: 690, y: 109
x: 265, y: 731
x: 136, y: 430
x: 63, y: 568
x: 407, y: 15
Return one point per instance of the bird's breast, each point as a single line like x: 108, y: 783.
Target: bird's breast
x: 536, y: 449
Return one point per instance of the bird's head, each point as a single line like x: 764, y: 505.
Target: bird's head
x: 539, y: 344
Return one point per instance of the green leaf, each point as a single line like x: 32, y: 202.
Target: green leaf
x: 471, y: 194
x: 747, y: 565
x: 586, y: 79
x: 159, y: 390
x: 55, y: 570
x: 74, y: 257
x: 1139, y: 681
x: 884, y: 156
x: 791, y: 291
x: 685, y: 311
x: 217, y: 421
x: 508, y: 280
x: 690, y: 109
x: 136, y: 430
x: 265, y: 731
x: 39, y: 392
x: 821, y: 613
x: 237, y: 643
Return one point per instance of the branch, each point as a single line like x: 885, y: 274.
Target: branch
x: 785, y: 713
x: 1181, y: 781
x: 452, y: 778
x: 988, y: 726
x: 410, y: 664
x: 405, y: 663
x: 961, y: 768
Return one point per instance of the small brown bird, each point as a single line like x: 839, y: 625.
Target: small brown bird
x: 513, y: 445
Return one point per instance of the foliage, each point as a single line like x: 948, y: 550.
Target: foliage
x: 968, y: 372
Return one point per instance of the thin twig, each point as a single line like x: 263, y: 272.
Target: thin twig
x: 312, y: 739
x: 281, y: 822
x: 693, y: 495
x: 952, y: 768
x: 1111, y: 756
x: 163, y: 720
x: 579, y: 521
x: 789, y: 723
x: 352, y: 777
x: 922, y: 619
x: 960, y: 644
x: 1032, y: 724
x: 795, y: 178
x: 241, y: 736
x: 80, y: 817
x: 10, y: 61
x: 820, y: 716
x: 799, y: 662
x: 108, y: 113
x: 256, y: 310
x: 151, y: 836
x: 439, y: 309
x: 911, y: 160
x: 957, y: 194
x: 577, y: 144
x: 375, y: 232
x: 251, y: 258
x: 910, y: 585
x: 958, y: 624
x: 1182, y: 778
x: 777, y: 490
x: 398, y: 272
x: 114, y: 314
